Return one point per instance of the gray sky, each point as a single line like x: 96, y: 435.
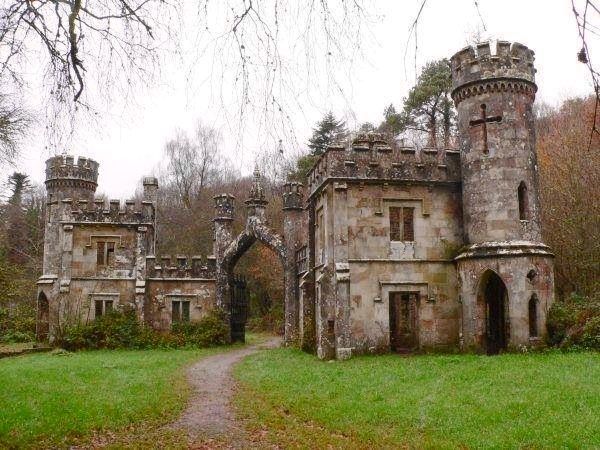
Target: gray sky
x: 128, y: 139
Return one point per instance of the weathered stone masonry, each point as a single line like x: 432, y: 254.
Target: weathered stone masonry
x: 389, y: 247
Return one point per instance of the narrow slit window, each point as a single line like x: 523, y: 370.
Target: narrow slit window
x: 100, y: 253
x: 99, y: 308
x: 320, y: 237
x: 176, y: 311
x: 395, y: 224
x: 185, y: 311
x: 408, y: 230
x: 533, y: 319
x: 331, y: 326
x: 523, y: 201
x: 110, y: 253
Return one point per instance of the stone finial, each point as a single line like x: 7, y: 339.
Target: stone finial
x: 257, y: 193
x: 224, y: 206
x: 292, y: 195
x: 150, y: 185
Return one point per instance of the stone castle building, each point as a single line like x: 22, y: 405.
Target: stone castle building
x: 389, y: 248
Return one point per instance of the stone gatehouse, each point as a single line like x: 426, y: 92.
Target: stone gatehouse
x: 386, y: 248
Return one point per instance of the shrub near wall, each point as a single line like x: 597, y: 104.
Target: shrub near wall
x: 123, y: 330
x: 575, y: 323
x: 17, y: 324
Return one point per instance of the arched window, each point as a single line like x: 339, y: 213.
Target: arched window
x: 523, y: 201
x: 533, y: 318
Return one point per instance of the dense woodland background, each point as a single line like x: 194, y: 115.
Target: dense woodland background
x: 193, y: 171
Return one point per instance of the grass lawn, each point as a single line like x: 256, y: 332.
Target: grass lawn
x: 545, y: 400
x: 54, y: 400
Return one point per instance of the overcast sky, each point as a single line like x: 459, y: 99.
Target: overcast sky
x: 128, y: 140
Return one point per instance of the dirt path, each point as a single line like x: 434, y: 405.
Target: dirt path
x: 209, y: 413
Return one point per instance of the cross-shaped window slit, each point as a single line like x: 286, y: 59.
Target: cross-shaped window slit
x: 483, y: 120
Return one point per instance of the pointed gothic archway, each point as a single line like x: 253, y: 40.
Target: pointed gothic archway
x: 493, y: 297
x: 228, y: 251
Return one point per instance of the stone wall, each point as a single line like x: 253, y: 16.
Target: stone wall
x: 160, y: 292
x: 357, y: 265
x: 524, y: 276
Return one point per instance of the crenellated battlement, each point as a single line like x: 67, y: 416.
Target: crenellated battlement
x: 511, y: 65
x: 113, y: 211
x: 369, y: 156
x: 65, y: 167
x: 181, y: 266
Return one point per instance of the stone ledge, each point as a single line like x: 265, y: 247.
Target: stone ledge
x: 504, y: 249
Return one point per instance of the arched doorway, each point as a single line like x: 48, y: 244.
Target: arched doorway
x: 43, y: 318
x: 237, y: 297
x: 228, y: 250
x: 494, y: 295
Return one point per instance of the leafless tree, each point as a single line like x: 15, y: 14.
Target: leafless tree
x: 192, y: 163
x: 587, y: 15
x: 258, y: 48
x: 14, y: 122
x: 75, y: 34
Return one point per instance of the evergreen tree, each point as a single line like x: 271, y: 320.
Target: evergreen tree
x: 428, y: 102
x: 16, y: 227
x: 393, y: 123
x: 366, y: 127
x: 18, y: 182
x: 328, y: 130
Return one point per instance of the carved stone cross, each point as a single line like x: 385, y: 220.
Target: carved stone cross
x: 484, y: 120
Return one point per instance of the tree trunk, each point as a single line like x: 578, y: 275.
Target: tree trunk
x: 432, y: 131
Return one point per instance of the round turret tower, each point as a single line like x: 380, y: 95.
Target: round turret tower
x: 505, y: 269
x: 67, y: 178
x: 67, y: 181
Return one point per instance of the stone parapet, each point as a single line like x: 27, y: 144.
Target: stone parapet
x: 99, y: 211
x: 369, y: 157
x: 509, y: 68
x: 181, y: 266
x: 65, y: 169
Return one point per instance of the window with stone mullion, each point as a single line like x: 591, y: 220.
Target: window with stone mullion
x: 402, y: 224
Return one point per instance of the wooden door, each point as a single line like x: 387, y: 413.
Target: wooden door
x: 403, y: 321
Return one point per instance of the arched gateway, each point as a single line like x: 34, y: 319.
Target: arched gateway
x: 229, y: 249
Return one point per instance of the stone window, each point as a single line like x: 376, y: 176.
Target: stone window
x: 302, y: 260
x: 180, y: 311
x: 102, y: 307
x: 105, y: 253
x: 320, y: 237
x: 523, y: 201
x: 533, y: 318
x: 402, y: 224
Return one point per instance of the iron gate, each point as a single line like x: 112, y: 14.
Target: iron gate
x: 239, y: 309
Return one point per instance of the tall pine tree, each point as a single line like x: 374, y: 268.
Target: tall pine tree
x: 328, y: 130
